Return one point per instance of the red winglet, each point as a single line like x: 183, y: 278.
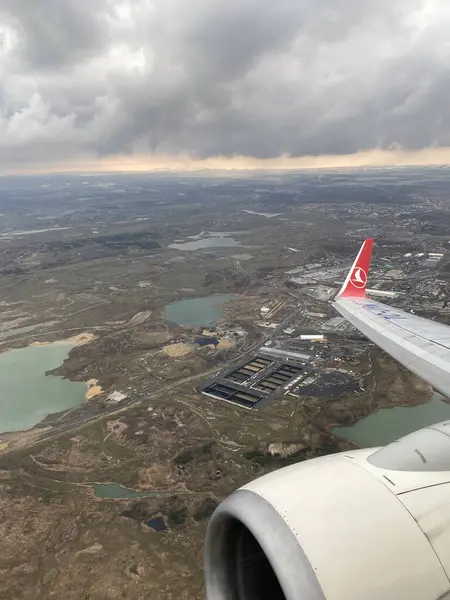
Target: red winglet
x: 356, y: 280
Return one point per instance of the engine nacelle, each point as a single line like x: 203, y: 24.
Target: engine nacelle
x: 370, y: 524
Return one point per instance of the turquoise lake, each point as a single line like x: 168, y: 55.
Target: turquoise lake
x: 27, y: 394
x: 388, y: 424
x: 197, y: 312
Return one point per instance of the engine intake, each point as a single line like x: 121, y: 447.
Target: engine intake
x: 352, y: 526
x: 251, y: 554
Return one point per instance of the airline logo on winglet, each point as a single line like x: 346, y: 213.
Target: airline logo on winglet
x: 356, y: 280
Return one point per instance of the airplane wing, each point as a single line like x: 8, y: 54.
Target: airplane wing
x: 361, y: 524
x: 421, y: 345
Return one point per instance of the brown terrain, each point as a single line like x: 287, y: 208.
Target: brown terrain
x: 104, y: 283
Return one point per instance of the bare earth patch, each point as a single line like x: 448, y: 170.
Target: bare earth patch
x: 93, y: 389
x: 176, y: 350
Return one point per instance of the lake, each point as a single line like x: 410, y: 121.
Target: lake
x: 197, y: 312
x: 211, y: 240
x: 157, y: 524
x: 388, y: 424
x: 113, y: 491
x: 27, y: 394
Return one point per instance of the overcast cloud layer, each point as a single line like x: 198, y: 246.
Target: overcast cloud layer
x: 257, y: 78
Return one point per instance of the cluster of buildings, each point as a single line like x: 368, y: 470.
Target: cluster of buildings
x: 316, y: 343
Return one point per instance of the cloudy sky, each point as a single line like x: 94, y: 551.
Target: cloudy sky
x: 162, y: 80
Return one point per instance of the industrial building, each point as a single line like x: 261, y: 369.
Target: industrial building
x: 382, y: 293
x: 431, y: 262
x: 338, y: 325
x: 222, y: 391
x: 287, y: 354
x: 259, y: 379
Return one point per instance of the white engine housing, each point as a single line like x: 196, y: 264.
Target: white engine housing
x: 371, y: 524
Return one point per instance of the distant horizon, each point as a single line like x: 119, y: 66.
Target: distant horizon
x: 368, y: 159
x: 142, y: 86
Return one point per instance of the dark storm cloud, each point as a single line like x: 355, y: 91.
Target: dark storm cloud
x: 228, y: 77
x: 56, y: 33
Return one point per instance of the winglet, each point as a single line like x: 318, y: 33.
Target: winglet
x: 356, y: 280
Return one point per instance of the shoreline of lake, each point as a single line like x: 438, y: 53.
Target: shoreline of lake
x: 204, y: 311
x: 388, y: 424
x: 29, y: 396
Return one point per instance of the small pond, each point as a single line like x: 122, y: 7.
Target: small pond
x: 157, y: 524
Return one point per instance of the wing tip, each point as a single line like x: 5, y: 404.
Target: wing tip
x: 355, y: 283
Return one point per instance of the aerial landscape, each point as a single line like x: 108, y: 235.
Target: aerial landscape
x: 184, y: 187
x: 185, y: 326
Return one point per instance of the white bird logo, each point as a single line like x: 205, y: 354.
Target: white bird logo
x: 358, y: 278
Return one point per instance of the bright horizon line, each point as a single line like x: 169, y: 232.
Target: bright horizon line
x: 434, y: 156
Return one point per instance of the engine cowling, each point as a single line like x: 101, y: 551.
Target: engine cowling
x: 371, y: 524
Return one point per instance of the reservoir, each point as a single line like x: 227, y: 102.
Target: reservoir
x: 388, y: 424
x: 113, y: 491
x: 27, y: 394
x: 211, y: 240
x: 197, y: 312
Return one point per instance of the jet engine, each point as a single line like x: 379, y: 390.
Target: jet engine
x: 371, y: 524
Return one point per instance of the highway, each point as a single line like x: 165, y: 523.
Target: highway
x: 279, y: 288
